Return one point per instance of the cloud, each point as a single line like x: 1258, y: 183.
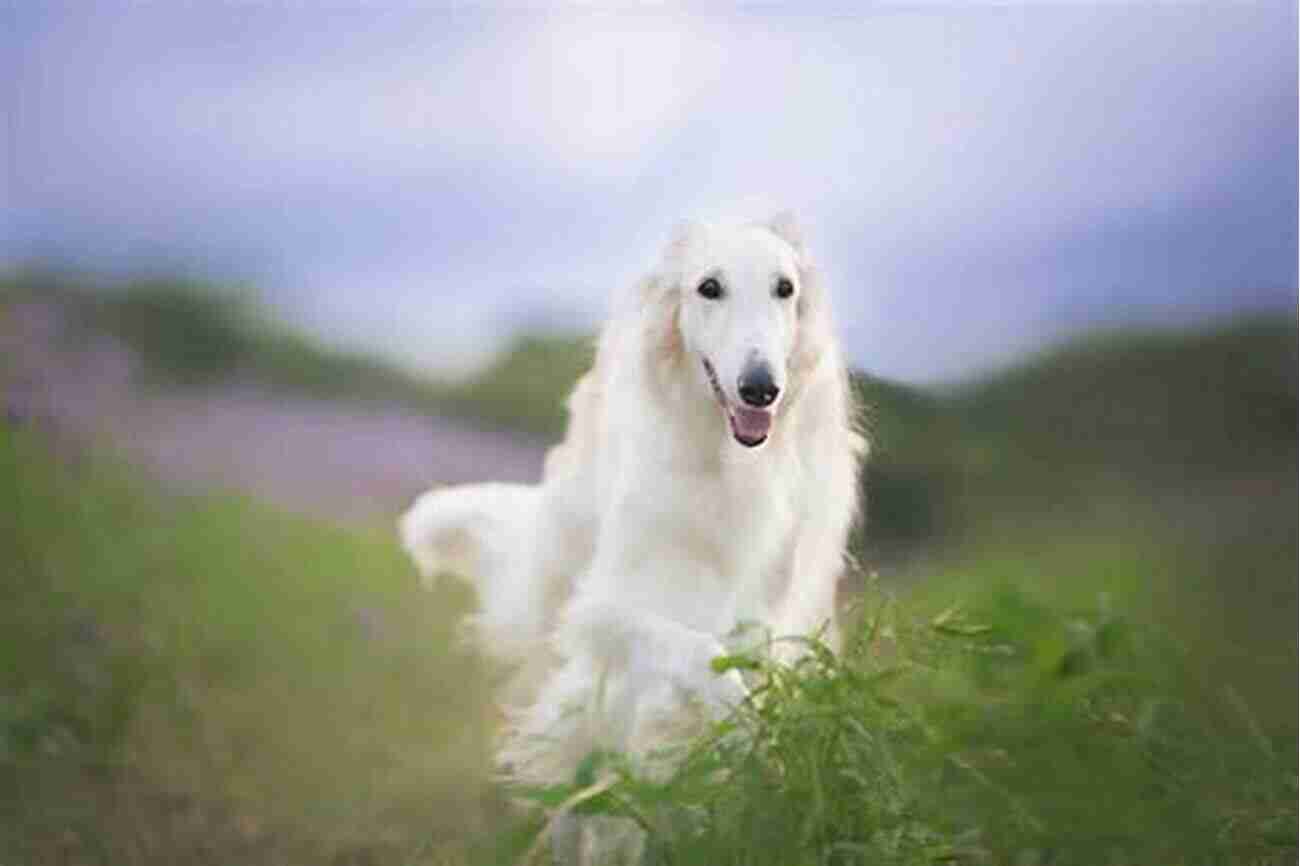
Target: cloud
x: 962, y: 170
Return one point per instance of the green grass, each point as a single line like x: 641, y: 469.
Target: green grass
x: 200, y: 679
x: 203, y: 679
x: 1007, y: 714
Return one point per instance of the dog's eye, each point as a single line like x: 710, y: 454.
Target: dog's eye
x: 710, y: 289
x: 784, y: 288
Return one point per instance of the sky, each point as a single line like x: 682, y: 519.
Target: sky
x: 422, y: 180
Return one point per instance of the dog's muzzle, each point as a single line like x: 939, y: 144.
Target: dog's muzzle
x: 750, y: 426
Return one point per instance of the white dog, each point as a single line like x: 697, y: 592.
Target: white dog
x: 708, y: 479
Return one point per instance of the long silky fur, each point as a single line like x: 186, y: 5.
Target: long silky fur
x: 579, y: 578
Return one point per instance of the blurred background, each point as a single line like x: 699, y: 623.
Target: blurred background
x: 270, y: 269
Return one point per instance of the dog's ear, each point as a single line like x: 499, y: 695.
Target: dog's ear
x: 660, y: 306
x: 660, y: 293
x: 687, y: 235
x: 785, y: 226
x: 814, y: 323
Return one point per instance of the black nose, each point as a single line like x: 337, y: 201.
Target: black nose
x: 756, y: 386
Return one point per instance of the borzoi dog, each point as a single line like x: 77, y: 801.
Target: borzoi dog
x: 708, y: 480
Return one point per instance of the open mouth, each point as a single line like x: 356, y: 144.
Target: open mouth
x: 749, y: 426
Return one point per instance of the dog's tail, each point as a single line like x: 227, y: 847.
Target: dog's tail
x: 467, y: 531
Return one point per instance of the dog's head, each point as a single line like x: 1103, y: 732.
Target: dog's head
x: 741, y: 307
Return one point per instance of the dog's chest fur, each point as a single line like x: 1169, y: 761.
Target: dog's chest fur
x: 723, y: 532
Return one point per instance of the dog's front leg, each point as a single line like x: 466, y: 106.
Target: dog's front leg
x: 650, y: 646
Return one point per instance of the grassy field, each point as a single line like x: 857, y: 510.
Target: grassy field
x: 203, y: 680
x: 1011, y: 729
x: 1082, y: 649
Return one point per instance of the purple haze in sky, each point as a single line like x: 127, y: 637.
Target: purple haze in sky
x: 421, y: 180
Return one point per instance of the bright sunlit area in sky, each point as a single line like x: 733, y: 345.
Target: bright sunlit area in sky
x: 425, y: 180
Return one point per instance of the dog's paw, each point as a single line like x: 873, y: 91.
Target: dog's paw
x: 721, y: 692
x: 727, y: 691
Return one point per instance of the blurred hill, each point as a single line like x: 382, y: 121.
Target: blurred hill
x: 187, y: 333
x: 1159, y: 417
x: 1128, y: 415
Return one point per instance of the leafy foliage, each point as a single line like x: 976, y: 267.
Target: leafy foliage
x: 1009, y: 732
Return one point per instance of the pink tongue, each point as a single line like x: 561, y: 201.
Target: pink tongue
x: 751, y: 424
